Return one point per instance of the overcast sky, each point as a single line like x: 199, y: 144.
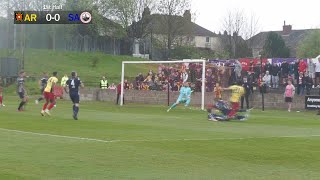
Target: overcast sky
x: 271, y: 13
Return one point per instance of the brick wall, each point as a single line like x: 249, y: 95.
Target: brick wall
x: 272, y: 100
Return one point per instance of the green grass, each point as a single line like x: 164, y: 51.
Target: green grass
x: 38, y: 61
x: 146, y: 142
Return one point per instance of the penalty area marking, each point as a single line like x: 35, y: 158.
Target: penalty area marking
x: 147, y: 140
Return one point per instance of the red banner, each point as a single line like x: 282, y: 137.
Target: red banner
x: 245, y: 62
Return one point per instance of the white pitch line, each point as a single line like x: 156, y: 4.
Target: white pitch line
x: 149, y: 140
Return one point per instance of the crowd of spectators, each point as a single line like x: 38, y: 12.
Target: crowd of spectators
x: 304, y: 75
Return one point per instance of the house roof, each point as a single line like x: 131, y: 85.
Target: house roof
x: 292, y: 39
x: 181, y: 25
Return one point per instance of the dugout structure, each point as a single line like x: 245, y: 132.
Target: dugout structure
x: 166, y: 62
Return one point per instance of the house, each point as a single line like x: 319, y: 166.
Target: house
x: 291, y: 37
x: 159, y: 30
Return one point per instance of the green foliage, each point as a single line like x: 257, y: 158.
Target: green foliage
x: 310, y: 46
x: 242, y: 50
x: 190, y: 52
x: 275, y: 46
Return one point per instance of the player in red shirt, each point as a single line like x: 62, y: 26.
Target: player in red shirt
x: 119, y: 93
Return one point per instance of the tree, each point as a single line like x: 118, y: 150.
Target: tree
x: 275, y: 46
x: 310, y: 46
x: 239, y: 27
x: 173, y: 26
x: 124, y: 12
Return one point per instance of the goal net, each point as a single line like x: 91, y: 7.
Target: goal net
x: 161, y: 81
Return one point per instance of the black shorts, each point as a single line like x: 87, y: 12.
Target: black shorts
x: 75, y: 98
x: 21, y: 95
x: 318, y: 74
x: 288, y: 99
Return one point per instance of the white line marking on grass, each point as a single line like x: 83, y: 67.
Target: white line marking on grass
x: 149, y: 140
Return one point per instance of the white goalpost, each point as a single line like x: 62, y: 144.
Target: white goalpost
x: 166, y: 62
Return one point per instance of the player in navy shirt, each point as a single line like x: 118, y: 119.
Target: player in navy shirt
x: 74, y: 83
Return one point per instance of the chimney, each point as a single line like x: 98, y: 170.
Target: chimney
x: 187, y: 15
x: 286, y: 30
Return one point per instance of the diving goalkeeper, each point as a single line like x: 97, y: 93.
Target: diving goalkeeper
x: 184, y: 97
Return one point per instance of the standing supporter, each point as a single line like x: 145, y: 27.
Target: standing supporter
x: 302, y: 66
x: 267, y: 79
x: 247, y: 91
x: 275, y: 75
x: 311, y: 70
x: 317, y: 66
x: 119, y: 93
x: 301, y: 84
x: 268, y: 67
x: 296, y: 71
x: 284, y: 71
x: 309, y: 83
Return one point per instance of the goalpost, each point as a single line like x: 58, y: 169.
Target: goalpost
x: 166, y: 62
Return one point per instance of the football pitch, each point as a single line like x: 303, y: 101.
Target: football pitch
x: 146, y: 142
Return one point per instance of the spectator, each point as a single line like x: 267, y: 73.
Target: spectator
x: 119, y: 93
x: 289, y: 94
x: 237, y: 69
x: 248, y: 90
x: 126, y: 84
x: 284, y: 68
x: 267, y: 79
x: 296, y: 71
x: 317, y: 66
x: 131, y: 86
x: 267, y: 67
x: 302, y: 66
x: 112, y: 87
x: 309, y: 83
x: 184, y: 76
x: 311, y: 70
x: 104, y: 83
x: 301, y: 84
x: 275, y: 75
x: 217, y: 92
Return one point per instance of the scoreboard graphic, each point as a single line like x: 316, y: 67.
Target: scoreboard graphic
x: 52, y: 17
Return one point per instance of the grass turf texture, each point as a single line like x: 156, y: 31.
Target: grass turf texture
x: 153, y: 144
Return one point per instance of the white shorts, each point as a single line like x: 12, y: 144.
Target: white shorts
x: 312, y: 75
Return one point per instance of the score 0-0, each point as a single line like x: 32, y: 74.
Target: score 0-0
x: 55, y: 17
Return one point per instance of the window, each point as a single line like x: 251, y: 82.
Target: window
x: 207, y: 39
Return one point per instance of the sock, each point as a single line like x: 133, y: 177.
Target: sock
x: 40, y: 99
x: 20, y: 105
x: 51, y: 106
x: 76, y: 110
x: 0, y: 99
x: 45, y: 106
x: 173, y: 106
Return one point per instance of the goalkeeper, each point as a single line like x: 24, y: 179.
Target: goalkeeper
x: 184, y: 97
x: 224, y: 111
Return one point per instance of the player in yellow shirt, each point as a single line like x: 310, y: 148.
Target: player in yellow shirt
x: 236, y: 92
x: 49, y: 95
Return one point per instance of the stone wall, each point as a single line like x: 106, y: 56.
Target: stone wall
x: 272, y: 100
